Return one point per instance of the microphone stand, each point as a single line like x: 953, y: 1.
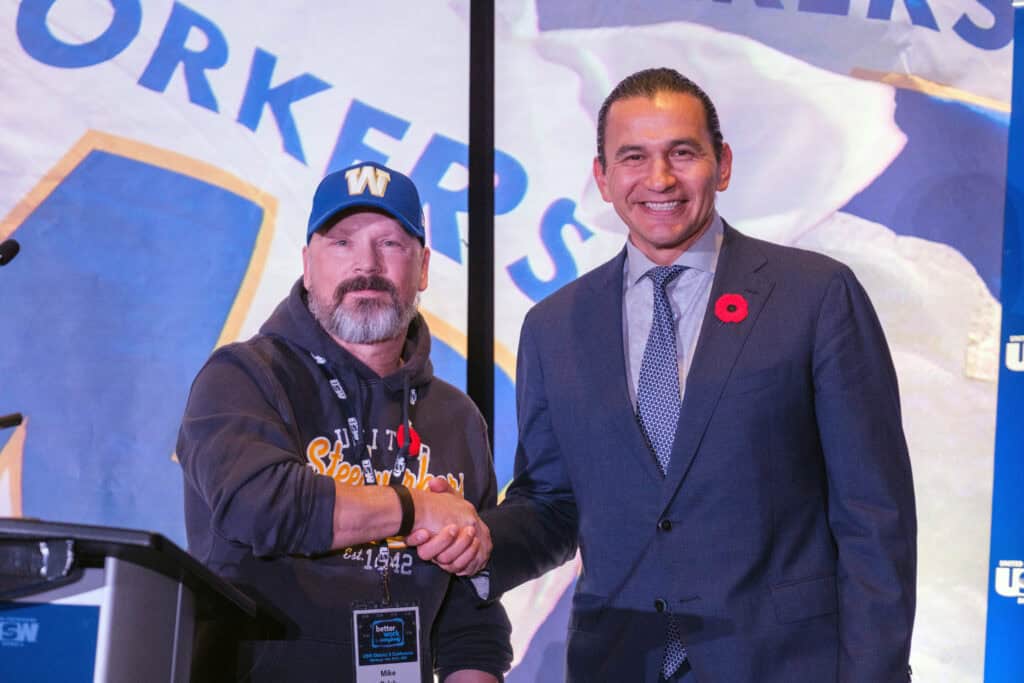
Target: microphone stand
x: 8, y: 250
x: 12, y: 420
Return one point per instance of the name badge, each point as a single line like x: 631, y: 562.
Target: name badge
x: 387, y: 643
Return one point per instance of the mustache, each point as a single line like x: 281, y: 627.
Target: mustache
x: 364, y: 282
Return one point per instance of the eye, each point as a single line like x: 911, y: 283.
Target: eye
x: 683, y: 153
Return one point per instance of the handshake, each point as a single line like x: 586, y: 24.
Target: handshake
x: 448, y: 531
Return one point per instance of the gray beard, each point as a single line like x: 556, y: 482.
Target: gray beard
x: 371, y: 322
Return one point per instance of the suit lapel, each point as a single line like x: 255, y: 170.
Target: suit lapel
x: 718, y: 347
x: 598, y: 328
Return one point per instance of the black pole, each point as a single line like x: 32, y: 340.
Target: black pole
x: 480, y: 318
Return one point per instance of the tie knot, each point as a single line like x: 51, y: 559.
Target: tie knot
x: 662, y: 275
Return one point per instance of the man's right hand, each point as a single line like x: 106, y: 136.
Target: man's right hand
x: 439, y: 507
x: 448, y: 530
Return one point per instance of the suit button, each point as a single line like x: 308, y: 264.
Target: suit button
x: 660, y: 605
x: 665, y: 525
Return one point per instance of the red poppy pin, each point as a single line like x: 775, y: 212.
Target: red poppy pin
x: 414, y: 444
x: 731, y: 308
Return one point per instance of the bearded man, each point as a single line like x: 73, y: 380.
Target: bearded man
x: 311, y: 450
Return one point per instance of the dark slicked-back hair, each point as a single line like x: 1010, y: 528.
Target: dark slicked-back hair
x: 648, y: 83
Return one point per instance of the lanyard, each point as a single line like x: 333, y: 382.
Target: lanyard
x: 382, y: 561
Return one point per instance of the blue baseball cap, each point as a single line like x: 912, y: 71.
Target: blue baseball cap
x: 372, y: 186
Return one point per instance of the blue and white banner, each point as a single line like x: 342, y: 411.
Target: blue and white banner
x: 1006, y: 555
x: 158, y: 159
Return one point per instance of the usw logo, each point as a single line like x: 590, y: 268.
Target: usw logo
x: 1009, y: 580
x: 18, y: 631
x: 1015, y: 353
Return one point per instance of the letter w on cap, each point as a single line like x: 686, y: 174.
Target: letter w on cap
x: 367, y: 177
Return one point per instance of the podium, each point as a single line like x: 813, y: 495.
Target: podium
x: 91, y: 603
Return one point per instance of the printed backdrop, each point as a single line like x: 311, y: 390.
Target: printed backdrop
x: 157, y: 160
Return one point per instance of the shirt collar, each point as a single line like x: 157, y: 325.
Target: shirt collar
x: 702, y: 255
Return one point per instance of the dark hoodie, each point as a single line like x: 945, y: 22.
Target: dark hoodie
x: 264, y: 434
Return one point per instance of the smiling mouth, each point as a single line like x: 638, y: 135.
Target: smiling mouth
x: 662, y: 206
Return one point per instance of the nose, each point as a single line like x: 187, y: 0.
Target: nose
x: 366, y: 260
x: 660, y: 177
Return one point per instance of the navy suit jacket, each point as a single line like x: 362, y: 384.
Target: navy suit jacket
x: 783, y: 537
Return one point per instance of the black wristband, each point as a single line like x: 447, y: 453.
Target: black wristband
x: 408, y: 510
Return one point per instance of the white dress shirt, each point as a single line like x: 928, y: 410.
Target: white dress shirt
x: 688, y: 294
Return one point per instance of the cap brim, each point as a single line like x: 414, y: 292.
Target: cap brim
x: 330, y: 216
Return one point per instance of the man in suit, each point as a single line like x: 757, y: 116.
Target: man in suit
x: 714, y: 421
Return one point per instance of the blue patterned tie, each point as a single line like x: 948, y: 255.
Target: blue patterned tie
x: 657, y: 404
x: 657, y: 394
x: 675, y: 653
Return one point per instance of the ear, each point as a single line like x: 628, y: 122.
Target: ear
x: 725, y: 167
x: 424, y: 268
x: 601, y: 179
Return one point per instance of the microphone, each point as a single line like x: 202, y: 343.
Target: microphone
x: 12, y: 420
x: 8, y: 250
